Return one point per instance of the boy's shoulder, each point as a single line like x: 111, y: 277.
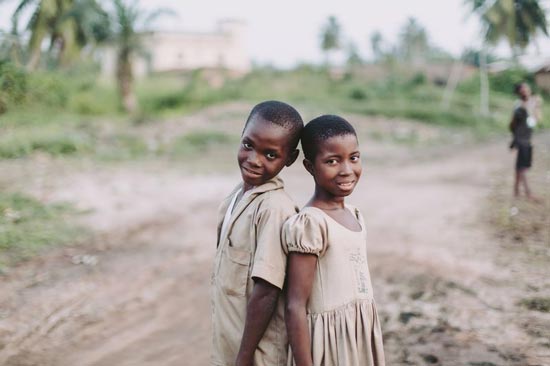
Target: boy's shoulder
x: 277, y: 199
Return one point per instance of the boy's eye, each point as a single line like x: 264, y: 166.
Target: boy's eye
x: 331, y: 161
x: 271, y: 156
x: 355, y: 158
x: 247, y: 146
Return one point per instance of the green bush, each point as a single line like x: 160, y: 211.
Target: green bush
x: 418, y: 79
x: 13, y: 85
x: 504, y: 81
x: 49, y: 89
x: 358, y: 94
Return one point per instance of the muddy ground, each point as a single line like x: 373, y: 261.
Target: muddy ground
x: 137, y: 293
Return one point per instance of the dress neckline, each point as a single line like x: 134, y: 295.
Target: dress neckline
x: 339, y: 224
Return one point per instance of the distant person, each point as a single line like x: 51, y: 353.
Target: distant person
x: 250, y: 264
x: 330, y: 314
x: 526, y: 114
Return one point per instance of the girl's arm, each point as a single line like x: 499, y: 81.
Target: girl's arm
x: 300, y: 275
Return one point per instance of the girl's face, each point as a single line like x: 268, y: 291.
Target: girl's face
x: 337, y: 166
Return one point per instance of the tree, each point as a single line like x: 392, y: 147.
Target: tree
x: 413, y: 42
x: 66, y: 23
x: 127, y: 20
x: 472, y: 57
x: 354, y: 58
x: 330, y: 37
x: 376, y: 45
x: 517, y: 21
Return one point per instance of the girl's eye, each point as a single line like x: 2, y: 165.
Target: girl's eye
x: 355, y: 158
x: 331, y: 162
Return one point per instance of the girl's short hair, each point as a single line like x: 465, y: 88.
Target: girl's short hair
x: 321, y: 129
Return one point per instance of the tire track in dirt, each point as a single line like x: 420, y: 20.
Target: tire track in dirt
x: 440, y: 294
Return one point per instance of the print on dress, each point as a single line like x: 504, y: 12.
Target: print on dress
x: 359, y: 262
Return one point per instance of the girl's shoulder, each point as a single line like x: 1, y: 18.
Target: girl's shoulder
x: 307, y: 217
x: 306, y: 232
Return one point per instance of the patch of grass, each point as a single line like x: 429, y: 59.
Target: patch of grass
x: 520, y: 220
x: 122, y: 146
x: 541, y: 304
x: 201, y: 141
x: 17, y: 143
x: 27, y: 226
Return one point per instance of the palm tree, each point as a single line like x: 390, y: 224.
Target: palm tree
x: 517, y: 21
x: 376, y: 45
x: 414, y: 42
x: 330, y: 37
x: 127, y: 20
x: 46, y: 21
x: 66, y: 23
x: 354, y: 58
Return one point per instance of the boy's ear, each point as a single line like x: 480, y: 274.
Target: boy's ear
x: 308, y: 165
x: 292, y: 158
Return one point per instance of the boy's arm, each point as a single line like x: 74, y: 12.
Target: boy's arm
x: 259, y: 311
x: 301, y: 272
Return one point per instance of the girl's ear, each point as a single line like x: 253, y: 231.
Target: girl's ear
x: 308, y: 165
x: 292, y: 158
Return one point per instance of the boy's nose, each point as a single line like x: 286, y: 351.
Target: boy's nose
x: 253, y: 159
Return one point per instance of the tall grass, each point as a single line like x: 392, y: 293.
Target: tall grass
x: 27, y: 226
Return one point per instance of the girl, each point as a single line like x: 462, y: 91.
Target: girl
x: 330, y: 315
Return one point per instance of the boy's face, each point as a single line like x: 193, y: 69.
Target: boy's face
x: 265, y: 150
x: 337, y: 166
x: 524, y: 91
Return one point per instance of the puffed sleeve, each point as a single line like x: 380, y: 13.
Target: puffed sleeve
x: 305, y: 232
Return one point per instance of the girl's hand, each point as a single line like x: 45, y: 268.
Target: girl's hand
x: 300, y: 274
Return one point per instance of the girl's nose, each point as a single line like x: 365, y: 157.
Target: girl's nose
x: 346, y: 169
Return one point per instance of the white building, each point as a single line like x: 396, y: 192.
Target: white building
x: 180, y: 51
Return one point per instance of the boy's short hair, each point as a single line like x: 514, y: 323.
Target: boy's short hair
x: 321, y: 129
x: 281, y: 114
x: 517, y: 87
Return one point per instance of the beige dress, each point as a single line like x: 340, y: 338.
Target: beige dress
x: 341, y: 313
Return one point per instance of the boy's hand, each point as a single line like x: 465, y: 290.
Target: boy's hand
x: 259, y: 311
x: 240, y: 362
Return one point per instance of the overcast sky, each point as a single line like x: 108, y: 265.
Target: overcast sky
x: 285, y: 32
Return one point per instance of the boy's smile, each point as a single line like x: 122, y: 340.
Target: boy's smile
x: 264, y: 151
x: 337, y: 166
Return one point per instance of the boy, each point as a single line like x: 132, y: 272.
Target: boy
x: 526, y: 113
x: 249, y: 269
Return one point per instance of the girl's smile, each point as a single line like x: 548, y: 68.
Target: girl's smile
x: 337, y: 166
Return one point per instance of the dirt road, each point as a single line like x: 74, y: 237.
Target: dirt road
x: 139, y: 294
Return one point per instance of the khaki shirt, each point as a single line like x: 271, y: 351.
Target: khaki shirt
x: 250, y: 249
